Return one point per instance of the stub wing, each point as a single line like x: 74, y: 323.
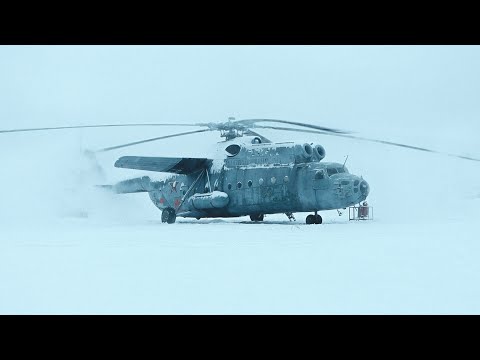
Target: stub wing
x: 163, y: 164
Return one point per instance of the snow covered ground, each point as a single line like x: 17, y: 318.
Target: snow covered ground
x: 224, y: 267
x: 66, y: 247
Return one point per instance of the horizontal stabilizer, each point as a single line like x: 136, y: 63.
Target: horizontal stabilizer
x: 163, y: 164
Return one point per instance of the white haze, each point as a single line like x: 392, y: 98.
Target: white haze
x: 66, y: 247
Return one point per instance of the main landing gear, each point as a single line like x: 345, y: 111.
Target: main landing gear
x: 314, y: 219
x: 258, y: 217
x: 168, y: 215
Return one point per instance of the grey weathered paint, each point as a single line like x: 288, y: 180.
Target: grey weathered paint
x: 295, y: 188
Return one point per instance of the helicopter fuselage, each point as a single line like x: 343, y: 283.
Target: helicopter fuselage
x: 261, y: 179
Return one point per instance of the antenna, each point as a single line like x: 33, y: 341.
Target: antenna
x: 345, y: 162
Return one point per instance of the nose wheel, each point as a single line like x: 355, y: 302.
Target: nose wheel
x: 314, y: 219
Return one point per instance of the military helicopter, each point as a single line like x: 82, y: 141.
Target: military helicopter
x: 250, y: 175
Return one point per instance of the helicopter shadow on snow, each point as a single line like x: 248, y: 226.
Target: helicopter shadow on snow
x: 226, y: 222
x: 245, y: 222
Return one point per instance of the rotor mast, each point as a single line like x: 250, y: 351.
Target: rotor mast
x: 230, y: 130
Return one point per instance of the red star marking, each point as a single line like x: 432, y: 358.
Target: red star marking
x: 177, y: 202
x: 161, y: 201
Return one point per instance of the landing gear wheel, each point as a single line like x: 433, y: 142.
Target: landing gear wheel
x: 258, y: 217
x: 318, y: 219
x: 310, y: 219
x: 169, y: 216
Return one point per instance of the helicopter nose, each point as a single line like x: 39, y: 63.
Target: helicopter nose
x: 364, y: 188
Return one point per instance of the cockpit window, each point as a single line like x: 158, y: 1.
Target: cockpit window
x: 319, y: 175
x: 331, y: 171
x: 341, y: 170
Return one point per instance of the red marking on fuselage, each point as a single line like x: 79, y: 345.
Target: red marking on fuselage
x: 161, y: 201
x: 177, y: 203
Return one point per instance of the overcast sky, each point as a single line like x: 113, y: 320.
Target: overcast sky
x: 342, y: 86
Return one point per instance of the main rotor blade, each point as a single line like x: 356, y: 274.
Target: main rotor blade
x: 252, y: 123
x: 92, y: 126
x: 371, y: 140
x: 152, y: 139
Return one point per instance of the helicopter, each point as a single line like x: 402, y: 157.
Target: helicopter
x: 249, y: 176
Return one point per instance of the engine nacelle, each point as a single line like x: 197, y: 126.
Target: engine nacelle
x: 211, y: 200
x: 319, y: 151
x: 303, y: 153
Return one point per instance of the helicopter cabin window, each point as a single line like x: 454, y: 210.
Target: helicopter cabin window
x: 229, y: 186
x: 341, y: 170
x: 249, y: 183
x: 260, y: 181
x: 239, y: 185
x: 319, y: 175
x: 331, y: 171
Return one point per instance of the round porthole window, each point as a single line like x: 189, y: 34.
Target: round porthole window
x: 239, y: 185
x: 249, y: 183
x: 260, y: 181
x: 273, y: 179
x: 285, y: 179
x: 229, y: 186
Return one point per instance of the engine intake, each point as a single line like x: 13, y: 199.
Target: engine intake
x: 303, y: 153
x: 319, y: 151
